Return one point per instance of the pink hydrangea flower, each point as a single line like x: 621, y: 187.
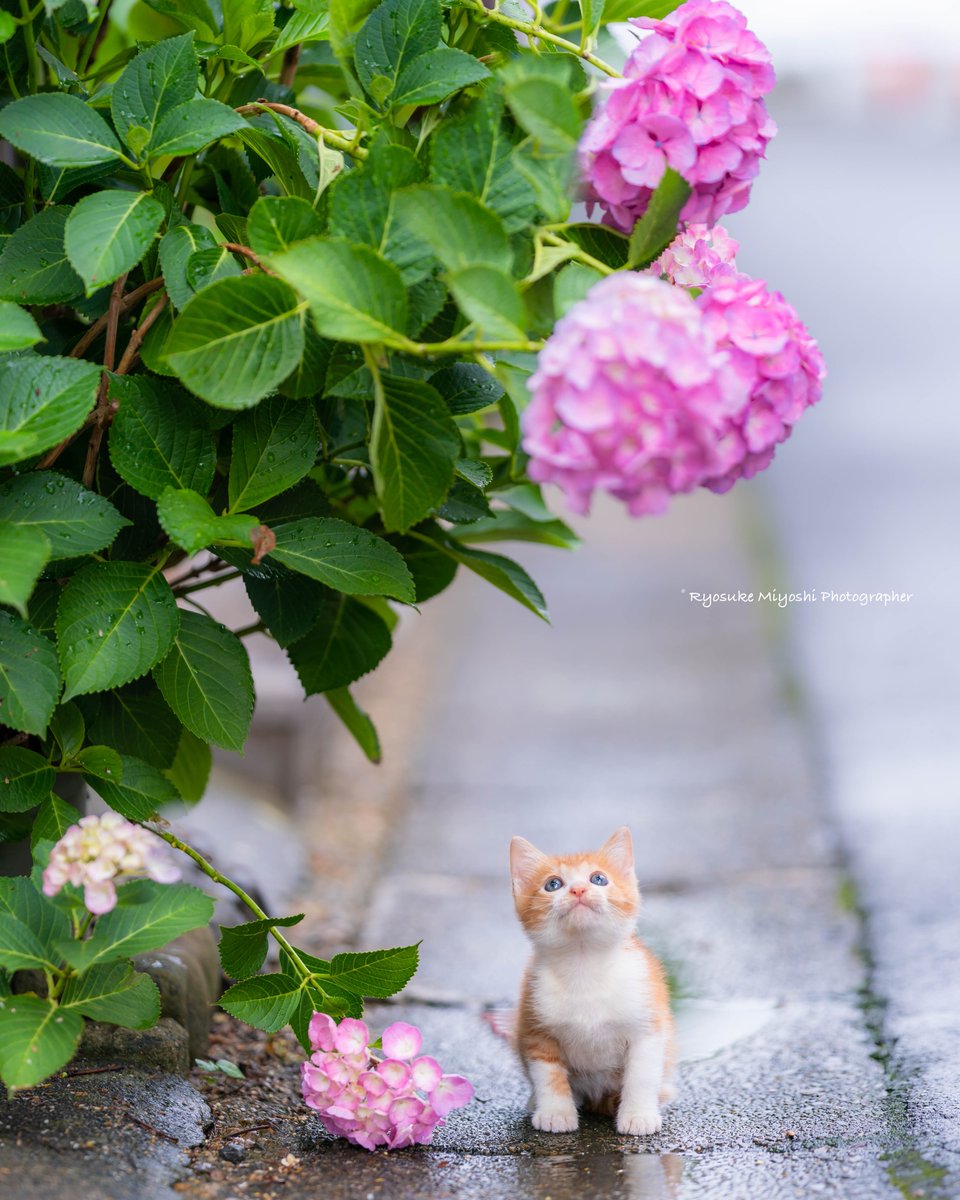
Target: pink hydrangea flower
x: 631, y: 396
x: 696, y: 256
x: 98, y: 850
x: 691, y: 99
x: 395, y: 1101
x: 772, y: 352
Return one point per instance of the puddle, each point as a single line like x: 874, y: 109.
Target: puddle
x: 705, y: 1027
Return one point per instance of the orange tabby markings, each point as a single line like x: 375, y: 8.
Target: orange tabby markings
x: 594, y: 1028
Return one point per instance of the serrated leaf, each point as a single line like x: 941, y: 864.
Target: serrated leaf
x: 264, y: 1001
x: 621, y: 10
x: 26, y: 779
x: 456, y: 227
x: 191, y: 767
x: 658, y: 226
x: 158, y: 79
x: 466, y: 388
x: 34, y: 268
x: 136, y: 720
x: 23, y: 555
x: 354, y: 295
x: 348, y: 640
x: 46, y: 398
x: 176, y: 248
x: 191, y: 126
x: 413, y: 448
x: 36, y: 1039
x: 206, y: 680
x: 432, y: 570
x: 608, y: 245
x: 471, y: 152
x: 114, y: 622
x: 288, y: 604
x: 277, y: 222
x: 545, y: 109
x: 489, y: 298
x: 243, y: 948
x: 434, y: 76
x: 20, y: 948
x: 165, y: 911
x: 58, y: 129
x: 274, y: 446
x: 18, y: 329
x: 505, y: 525
x: 282, y: 160
x: 140, y: 791
x: 53, y: 819
x: 73, y: 520
x: 503, y: 573
x: 343, y: 556
x: 395, y: 33
x: 237, y: 339
x: 29, y: 676
x: 103, y: 762
x: 356, y: 721
x: 115, y: 993
x: 207, y: 266
x: 191, y: 523
x: 375, y: 973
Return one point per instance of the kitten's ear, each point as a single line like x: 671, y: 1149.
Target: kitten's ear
x: 619, y: 849
x: 525, y: 862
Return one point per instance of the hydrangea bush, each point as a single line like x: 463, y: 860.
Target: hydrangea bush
x: 302, y: 295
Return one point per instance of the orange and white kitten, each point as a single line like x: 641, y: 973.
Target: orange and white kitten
x: 594, y: 1028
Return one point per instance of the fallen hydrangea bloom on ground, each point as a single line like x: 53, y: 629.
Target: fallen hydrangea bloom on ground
x: 394, y: 1101
x: 692, y: 100
x: 98, y: 850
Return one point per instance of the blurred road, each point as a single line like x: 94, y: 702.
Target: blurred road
x: 857, y: 226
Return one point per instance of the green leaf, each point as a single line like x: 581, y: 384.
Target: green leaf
x: 191, y: 767
x: 281, y: 158
x: 34, y: 268
x: 191, y: 126
x: 621, y: 10
x: 489, y: 298
x: 471, y: 152
x: 545, y: 109
x: 375, y: 973
x: 550, y: 172
x: 304, y: 26
x: 53, y: 819
x: 274, y: 446
x: 456, y: 227
x: 287, y: 604
x: 21, y: 948
x: 395, y: 33
x: 167, y: 910
x: 116, y: 993
x: 136, y: 720
x: 158, y: 79
x: 434, y: 76
x: 109, y: 232
x: 23, y: 555
x: 206, y: 680
x: 140, y: 791
x: 244, y: 947
x: 354, y: 295
x: 25, y: 779
x: 277, y: 222
x: 18, y: 329
x: 356, y: 721
x: 608, y: 245
x: 264, y: 1001
x: 207, y: 266
x: 67, y: 727
x: 504, y: 574
x: 103, y: 762
x: 414, y: 446
x: 466, y: 388
x: 29, y: 676
x: 571, y: 286
x: 176, y: 248
x: 115, y: 621
x: 433, y: 571
x: 73, y: 520
x: 348, y: 640
x: 191, y: 523
x: 37, y: 1037
x: 237, y: 339
x: 344, y: 557
x: 158, y: 439
x: 46, y: 398
x: 657, y: 228
x: 58, y: 129
x: 507, y: 525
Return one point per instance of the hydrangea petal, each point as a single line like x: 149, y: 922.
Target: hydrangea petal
x: 401, y: 1040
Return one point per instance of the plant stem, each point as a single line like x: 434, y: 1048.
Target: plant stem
x: 581, y: 255
x: 205, y: 583
x: 212, y: 873
x: 458, y: 346
x: 339, y: 141
x: 236, y: 248
x: 256, y: 627
x: 533, y: 29
x: 132, y: 351
x: 90, y: 45
x: 129, y: 301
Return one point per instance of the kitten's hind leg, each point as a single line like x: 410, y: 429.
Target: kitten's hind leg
x: 554, y: 1110
x: 639, y: 1112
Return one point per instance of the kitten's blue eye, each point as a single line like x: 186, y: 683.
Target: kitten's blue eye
x: 552, y: 884
x: 599, y: 879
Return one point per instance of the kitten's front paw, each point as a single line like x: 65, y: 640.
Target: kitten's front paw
x: 639, y: 1123
x: 555, y: 1120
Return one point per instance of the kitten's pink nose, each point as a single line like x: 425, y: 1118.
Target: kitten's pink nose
x: 578, y: 889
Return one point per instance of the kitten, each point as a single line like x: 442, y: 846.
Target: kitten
x: 593, y: 1028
